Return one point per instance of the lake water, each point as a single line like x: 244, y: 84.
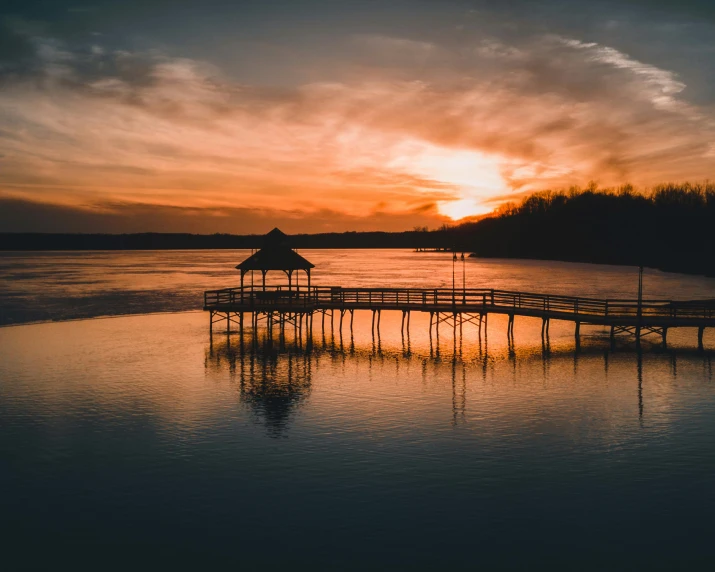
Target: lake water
x: 140, y: 441
x: 49, y: 286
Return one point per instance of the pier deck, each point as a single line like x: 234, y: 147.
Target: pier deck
x: 622, y: 315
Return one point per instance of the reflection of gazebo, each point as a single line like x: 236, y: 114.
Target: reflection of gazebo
x: 274, y: 381
x: 275, y: 255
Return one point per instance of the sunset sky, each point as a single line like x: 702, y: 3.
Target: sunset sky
x: 238, y: 116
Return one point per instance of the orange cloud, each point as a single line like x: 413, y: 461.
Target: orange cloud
x: 460, y: 132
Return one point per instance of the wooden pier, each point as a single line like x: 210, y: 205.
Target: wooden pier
x: 280, y: 305
x: 297, y: 304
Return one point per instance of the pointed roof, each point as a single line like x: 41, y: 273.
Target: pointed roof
x: 275, y: 255
x: 275, y: 238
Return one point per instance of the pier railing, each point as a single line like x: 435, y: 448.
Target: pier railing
x: 444, y: 299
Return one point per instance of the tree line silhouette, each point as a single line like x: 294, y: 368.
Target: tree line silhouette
x: 671, y: 228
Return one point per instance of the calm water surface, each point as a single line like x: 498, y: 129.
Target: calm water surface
x: 49, y: 286
x: 141, y: 442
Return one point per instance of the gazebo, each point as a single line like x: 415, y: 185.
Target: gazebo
x: 276, y: 254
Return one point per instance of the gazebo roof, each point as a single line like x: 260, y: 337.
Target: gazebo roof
x: 275, y: 255
x: 275, y: 238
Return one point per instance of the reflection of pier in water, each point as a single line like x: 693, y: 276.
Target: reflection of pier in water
x: 275, y: 373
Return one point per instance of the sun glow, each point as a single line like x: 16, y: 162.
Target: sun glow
x: 463, y: 208
x: 471, y: 178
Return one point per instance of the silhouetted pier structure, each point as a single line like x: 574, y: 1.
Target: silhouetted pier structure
x: 294, y: 304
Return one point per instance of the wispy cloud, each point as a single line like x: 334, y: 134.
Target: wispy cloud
x: 121, y: 217
x: 662, y: 86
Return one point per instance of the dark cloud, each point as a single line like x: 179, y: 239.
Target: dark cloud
x: 18, y: 55
x: 684, y: 8
x: 27, y: 216
x: 14, y: 47
x: 24, y: 57
x: 95, y: 64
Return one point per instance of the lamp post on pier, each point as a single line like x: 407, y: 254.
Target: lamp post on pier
x: 464, y: 280
x: 640, y: 289
x: 454, y: 261
x: 639, y: 311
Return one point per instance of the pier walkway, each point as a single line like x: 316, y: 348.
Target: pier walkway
x: 280, y: 305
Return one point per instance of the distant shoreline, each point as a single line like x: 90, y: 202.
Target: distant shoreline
x: 478, y: 240
x: 184, y: 241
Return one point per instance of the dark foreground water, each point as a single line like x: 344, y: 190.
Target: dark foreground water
x: 140, y: 443
x: 137, y: 442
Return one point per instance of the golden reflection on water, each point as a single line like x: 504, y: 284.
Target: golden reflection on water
x: 166, y: 371
x: 461, y: 376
